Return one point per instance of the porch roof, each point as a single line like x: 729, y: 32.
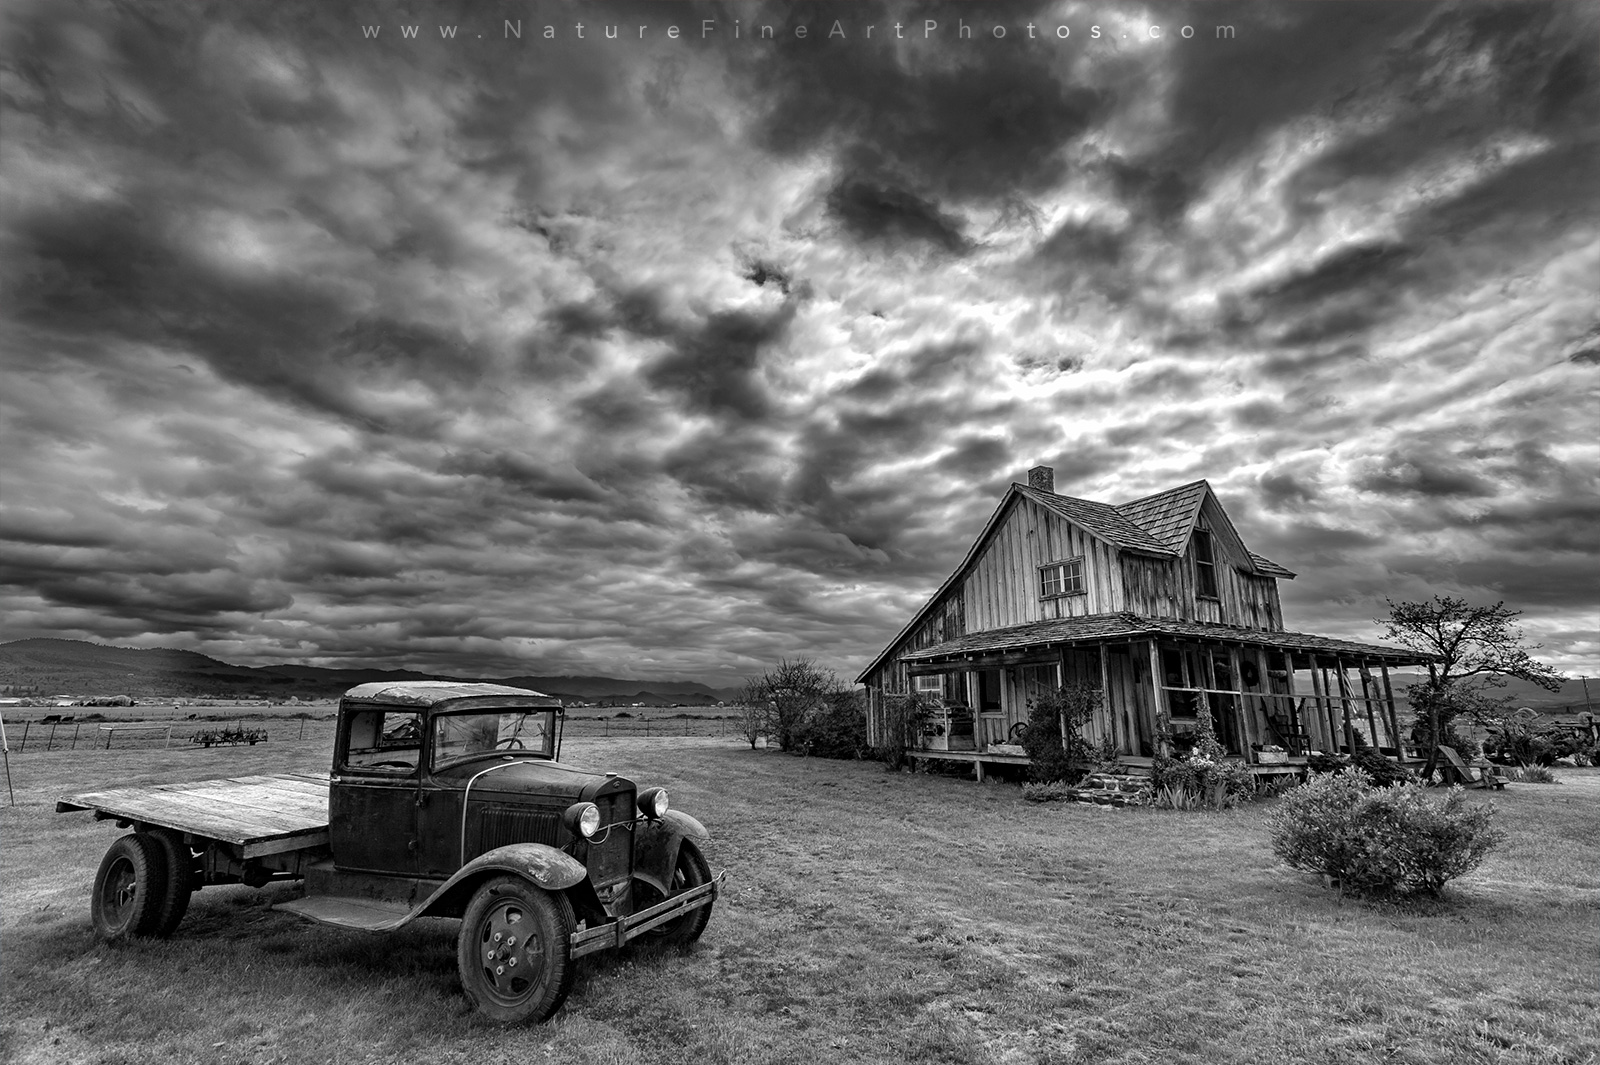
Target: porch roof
x: 1100, y: 628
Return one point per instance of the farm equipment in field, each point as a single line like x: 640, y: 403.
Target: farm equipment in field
x: 444, y: 800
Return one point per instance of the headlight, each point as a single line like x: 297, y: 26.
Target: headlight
x: 582, y: 819
x: 653, y: 803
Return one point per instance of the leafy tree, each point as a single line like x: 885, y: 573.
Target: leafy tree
x: 1471, y: 649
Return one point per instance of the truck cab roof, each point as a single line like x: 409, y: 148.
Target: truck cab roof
x: 445, y: 694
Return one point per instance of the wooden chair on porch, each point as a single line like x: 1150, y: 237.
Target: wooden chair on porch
x: 1457, y: 771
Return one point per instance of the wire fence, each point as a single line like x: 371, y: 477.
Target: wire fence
x: 67, y: 734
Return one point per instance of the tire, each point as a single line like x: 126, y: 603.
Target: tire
x: 525, y: 981
x: 173, y: 901
x: 690, y: 871
x: 128, y: 888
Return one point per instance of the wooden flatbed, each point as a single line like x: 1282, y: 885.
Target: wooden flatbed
x: 258, y: 815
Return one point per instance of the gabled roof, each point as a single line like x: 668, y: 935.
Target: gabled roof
x: 1158, y: 524
x: 1098, y: 519
x: 1168, y: 517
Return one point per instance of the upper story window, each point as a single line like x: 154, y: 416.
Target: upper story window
x: 1205, y: 565
x: 1061, y: 578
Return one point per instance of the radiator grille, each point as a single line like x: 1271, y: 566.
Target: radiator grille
x: 611, y: 859
x: 502, y: 825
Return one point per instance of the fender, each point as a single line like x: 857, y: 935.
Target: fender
x: 549, y: 868
x: 655, y: 847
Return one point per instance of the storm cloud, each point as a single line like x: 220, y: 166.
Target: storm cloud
x: 488, y: 352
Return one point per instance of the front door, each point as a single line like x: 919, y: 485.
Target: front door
x: 372, y: 801
x: 991, y: 708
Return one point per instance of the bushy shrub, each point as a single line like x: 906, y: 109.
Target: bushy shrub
x: 837, y: 728
x: 1051, y: 715
x: 1382, y: 771
x: 1046, y: 791
x: 1381, y: 841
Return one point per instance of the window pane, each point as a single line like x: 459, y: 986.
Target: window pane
x: 1072, y: 580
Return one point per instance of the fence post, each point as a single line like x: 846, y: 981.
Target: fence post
x: 302, y: 728
x: 75, y: 727
x: 51, y: 739
x: 647, y: 727
x: 24, y: 746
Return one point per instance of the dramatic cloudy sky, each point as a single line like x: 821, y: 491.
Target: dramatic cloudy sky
x: 669, y: 357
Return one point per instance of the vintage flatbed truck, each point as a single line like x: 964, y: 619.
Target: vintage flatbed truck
x: 444, y: 800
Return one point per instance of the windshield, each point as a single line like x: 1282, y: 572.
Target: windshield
x: 478, y: 732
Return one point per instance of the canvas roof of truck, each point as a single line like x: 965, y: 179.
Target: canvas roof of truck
x: 431, y: 693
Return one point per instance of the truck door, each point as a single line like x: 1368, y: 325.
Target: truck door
x: 372, y: 801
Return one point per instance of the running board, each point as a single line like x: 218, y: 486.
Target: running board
x: 616, y: 933
x: 344, y: 911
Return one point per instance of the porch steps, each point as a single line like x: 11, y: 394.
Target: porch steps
x: 1113, y: 789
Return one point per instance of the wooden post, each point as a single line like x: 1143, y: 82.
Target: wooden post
x: 1238, y: 703
x: 1158, y: 702
x: 1394, y: 714
x: 1344, y: 705
x: 1296, y: 719
x: 1105, y: 699
x: 1324, y: 719
x: 1367, y: 693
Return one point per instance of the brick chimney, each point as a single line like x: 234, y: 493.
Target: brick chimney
x: 1042, y: 478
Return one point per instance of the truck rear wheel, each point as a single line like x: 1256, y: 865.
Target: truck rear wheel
x: 513, y: 951
x: 128, y: 888
x: 172, y: 901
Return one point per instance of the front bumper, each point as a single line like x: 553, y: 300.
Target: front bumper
x: 616, y: 933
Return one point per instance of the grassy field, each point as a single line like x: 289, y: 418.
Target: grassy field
x: 869, y: 916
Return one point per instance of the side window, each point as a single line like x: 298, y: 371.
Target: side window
x: 384, y: 741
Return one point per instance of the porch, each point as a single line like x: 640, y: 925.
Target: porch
x: 1273, y: 697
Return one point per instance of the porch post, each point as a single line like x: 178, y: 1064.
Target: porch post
x: 1105, y: 699
x: 1324, y: 710
x: 1158, y: 703
x: 1297, y: 720
x: 1344, y: 705
x: 1238, y: 704
x: 1367, y: 693
x: 1394, y: 714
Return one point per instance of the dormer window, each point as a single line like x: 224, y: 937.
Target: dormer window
x: 1205, y: 566
x: 1061, y: 578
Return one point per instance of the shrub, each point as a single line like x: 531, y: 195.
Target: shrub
x: 1051, y: 717
x: 1382, y: 771
x: 1381, y: 841
x: 1534, y: 774
x: 835, y: 729
x: 1046, y: 791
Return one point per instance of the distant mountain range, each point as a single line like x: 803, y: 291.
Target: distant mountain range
x: 1570, y: 699
x: 51, y: 667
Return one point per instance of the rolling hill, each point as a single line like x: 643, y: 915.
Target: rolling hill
x: 47, y: 667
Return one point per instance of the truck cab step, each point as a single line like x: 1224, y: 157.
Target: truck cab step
x: 366, y: 915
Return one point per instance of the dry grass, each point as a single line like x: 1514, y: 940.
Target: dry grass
x: 870, y: 916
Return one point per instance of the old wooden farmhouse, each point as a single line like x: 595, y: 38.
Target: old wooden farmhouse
x: 1158, y: 604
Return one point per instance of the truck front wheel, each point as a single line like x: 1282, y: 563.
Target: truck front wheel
x: 128, y: 888
x: 690, y: 871
x: 513, y: 951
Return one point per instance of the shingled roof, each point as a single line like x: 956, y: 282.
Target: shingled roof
x: 1168, y: 517
x: 1124, y: 625
x: 1100, y: 519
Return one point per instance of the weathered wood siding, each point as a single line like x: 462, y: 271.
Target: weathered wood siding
x: 1159, y: 587
x: 1002, y: 588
